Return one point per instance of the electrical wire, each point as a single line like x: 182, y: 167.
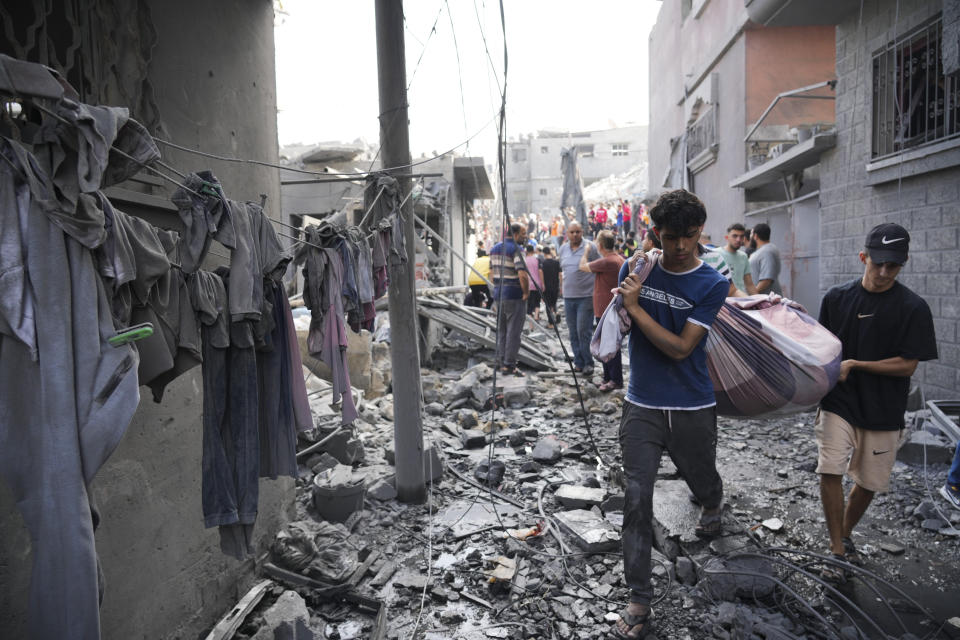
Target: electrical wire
x: 319, y: 173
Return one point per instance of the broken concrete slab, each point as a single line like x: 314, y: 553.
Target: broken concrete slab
x: 578, y: 497
x: 616, y: 502
x: 590, y: 531
x: 547, y: 451
x: 288, y: 619
x: 407, y: 579
x: 382, y: 489
x: 473, y: 438
x: 923, y: 446
x: 466, y: 517
x: 674, y: 516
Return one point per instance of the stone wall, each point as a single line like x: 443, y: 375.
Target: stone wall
x: 926, y: 204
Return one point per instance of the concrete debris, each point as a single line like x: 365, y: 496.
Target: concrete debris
x: 686, y: 571
x: 893, y: 548
x: 923, y: 446
x: 590, y: 531
x: 574, y: 497
x: 382, y: 489
x: 502, y: 569
x: 287, y: 619
x: 710, y: 588
x: 547, y: 451
x: 773, y: 524
x: 615, y: 502
x: 473, y: 438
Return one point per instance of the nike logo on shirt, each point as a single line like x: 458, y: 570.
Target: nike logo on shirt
x: 885, y: 241
x: 864, y: 315
x: 877, y: 453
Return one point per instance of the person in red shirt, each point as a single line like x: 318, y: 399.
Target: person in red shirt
x: 602, y: 216
x: 626, y: 217
x: 605, y: 269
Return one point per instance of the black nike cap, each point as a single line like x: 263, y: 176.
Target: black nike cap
x: 888, y: 242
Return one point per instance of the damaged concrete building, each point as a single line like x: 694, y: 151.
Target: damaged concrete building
x: 184, y: 74
x: 784, y: 112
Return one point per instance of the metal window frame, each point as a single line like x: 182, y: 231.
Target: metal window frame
x: 896, y: 94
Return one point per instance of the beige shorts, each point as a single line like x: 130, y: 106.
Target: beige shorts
x: 867, y: 455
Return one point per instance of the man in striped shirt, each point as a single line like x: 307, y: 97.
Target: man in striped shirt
x: 511, y: 284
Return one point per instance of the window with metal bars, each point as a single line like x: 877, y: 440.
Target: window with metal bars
x: 913, y: 102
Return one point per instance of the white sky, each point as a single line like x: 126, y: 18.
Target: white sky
x: 572, y: 65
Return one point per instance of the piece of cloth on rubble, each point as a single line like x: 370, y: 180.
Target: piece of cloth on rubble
x: 278, y: 434
x: 206, y: 216
x: 231, y: 433
x: 63, y: 413
x: 320, y: 550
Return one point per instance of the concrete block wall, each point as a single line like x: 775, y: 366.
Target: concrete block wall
x: 927, y: 205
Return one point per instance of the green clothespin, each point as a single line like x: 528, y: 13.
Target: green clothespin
x: 131, y: 334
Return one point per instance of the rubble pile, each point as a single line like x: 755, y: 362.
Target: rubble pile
x: 520, y: 535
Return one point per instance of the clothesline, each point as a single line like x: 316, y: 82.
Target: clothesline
x: 189, y: 190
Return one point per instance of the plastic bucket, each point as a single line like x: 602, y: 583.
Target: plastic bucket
x: 336, y: 504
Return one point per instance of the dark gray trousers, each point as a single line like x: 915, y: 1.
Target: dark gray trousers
x: 690, y: 437
x: 513, y: 315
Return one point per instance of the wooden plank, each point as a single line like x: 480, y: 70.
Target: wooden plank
x: 229, y: 624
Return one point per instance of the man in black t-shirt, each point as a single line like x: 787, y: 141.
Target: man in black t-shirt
x: 885, y: 329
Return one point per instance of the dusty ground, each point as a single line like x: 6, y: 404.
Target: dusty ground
x: 439, y: 589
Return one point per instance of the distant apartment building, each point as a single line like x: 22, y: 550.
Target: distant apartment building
x: 534, y: 182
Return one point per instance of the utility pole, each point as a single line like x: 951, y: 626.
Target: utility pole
x: 404, y: 350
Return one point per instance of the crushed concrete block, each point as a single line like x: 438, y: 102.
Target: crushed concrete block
x: 434, y: 409
x: 530, y: 467
x: 467, y: 418
x: 432, y: 464
x: 773, y: 524
x: 287, y: 619
x: 325, y: 462
x: 616, y: 502
x: 576, y: 497
x: 410, y: 580
x: 382, y: 489
x: 547, y: 451
x: 893, y: 548
x: 686, y: 571
x: 516, y: 398
x: 673, y: 514
x: 923, y: 443
x: 473, y: 438
x: 722, y: 581
x: 517, y: 439
x: 386, y: 410
x: 591, y: 532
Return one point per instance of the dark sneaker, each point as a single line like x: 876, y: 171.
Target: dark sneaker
x: 951, y: 494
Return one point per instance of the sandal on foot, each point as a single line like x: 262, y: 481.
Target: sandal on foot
x: 513, y: 371
x: 632, y: 622
x: 833, y: 574
x: 710, y: 525
x: 851, y: 554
